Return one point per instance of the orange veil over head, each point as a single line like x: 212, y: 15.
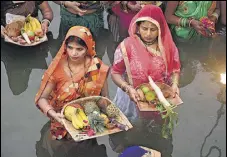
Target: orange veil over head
x: 78, y: 31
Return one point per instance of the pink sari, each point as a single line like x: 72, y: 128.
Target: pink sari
x: 124, y: 18
x: 142, y: 63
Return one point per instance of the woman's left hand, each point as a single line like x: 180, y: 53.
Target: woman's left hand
x: 175, y: 90
x: 44, y: 26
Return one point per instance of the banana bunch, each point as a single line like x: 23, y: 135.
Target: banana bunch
x: 79, y: 119
x: 76, y: 116
x: 31, y: 24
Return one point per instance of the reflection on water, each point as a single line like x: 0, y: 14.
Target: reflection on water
x: 46, y: 147
x: 19, y: 62
x: 145, y: 132
x: 202, y: 63
x: 220, y: 112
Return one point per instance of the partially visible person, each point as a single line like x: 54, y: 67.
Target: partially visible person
x: 73, y: 14
x: 139, y: 151
x: 120, y: 14
x: 222, y: 20
x: 74, y: 73
x: 146, y: 133
x: 223, y: 12
x: 185, y: 18
x: 125, y: 11
x: 148, y: 51
x: 25, y: 8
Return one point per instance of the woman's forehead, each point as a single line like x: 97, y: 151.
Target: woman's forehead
x: 148, y: 24
x: 74, y: 44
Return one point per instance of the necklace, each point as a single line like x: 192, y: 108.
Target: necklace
x: 71, y: 75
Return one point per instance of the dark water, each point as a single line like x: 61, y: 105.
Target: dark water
x: 201, y: 131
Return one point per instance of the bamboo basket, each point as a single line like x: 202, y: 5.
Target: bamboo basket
x: 144, y: 106
x: 9, y: 40
x: 81, y: 137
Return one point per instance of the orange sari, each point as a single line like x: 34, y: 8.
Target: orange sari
x: 67, y: 88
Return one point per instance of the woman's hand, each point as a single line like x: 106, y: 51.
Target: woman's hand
x: 45, y: 26
x: 134, y: 7
x: 198, y: 26
x: 133, y: 94
x: 175, y: 90
x: 57, y: 116
x: 73, y: 7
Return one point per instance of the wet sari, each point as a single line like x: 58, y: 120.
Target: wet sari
x: 191, y: 9
x: 77, y: 86
x: 143, y: 62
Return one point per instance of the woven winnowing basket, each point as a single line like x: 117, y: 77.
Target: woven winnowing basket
x: 144, y: 106
x: 76, y: 133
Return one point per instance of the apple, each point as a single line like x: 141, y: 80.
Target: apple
x: 31, y: 35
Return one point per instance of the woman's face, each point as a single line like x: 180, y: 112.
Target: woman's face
x: 148, y: 31
x: 76, y: 51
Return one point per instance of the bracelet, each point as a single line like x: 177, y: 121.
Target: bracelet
x: 178, y: 23
x: 47, y: 21
x: 123, y: 85
x: 127, y: 88
x: 189, y: 23
x: 215, y: 15
x: 183, y: 22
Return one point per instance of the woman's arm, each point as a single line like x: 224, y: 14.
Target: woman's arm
x: 44, y: 105
x: 47, y: 15
x: 215, y: 15
x: 175, y: 82
x: 169, y: 12
x: 105, y: 90
x: 73, y: 7
x: 120, y: 82
x: 172, y: 19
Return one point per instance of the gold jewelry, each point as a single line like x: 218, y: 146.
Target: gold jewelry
x: 123, y: 85
x: 215, y: 15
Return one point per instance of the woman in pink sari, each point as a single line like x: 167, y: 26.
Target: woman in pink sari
x: 148, y: 51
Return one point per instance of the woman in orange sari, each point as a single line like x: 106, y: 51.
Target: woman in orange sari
x: 75, y: 72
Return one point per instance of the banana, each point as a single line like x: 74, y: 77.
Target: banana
x: 83, y: 117
x: 33, y: 24
x: 76, y: 120
x: 69, y: 112
x: 76, y: 123
x: 82, y: 114
x: 38, y: 25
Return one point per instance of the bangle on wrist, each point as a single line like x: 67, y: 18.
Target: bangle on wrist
x: 46, y: 21
x: 179, y: 21
x: 215, y: 15
x: 189, y: 23
x: 127, y: 88
x: 123, y: 86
